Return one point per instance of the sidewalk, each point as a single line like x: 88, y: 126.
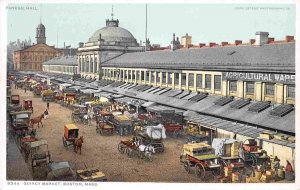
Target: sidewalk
x: 16, y: 167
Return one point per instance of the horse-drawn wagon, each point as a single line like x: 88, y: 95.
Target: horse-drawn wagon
x: 47, y: 95
x: 201, y: 157
x: 136, y: 147
x: 14, y: 103
x: 19, y: 122
x: 70, y: 134
x: 80, y: 114
x: 101, y: 123
x: 90, y: 174
x: 38, y: 153
x: 248, y: 151
x: 60, y: 171
x: 27, y: 105
x: 153, y: 135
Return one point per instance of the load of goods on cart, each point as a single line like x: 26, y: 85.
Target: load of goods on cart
x: 202, y: 158
x: 194, y: 133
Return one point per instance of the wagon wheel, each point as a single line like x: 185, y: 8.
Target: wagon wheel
x: 128, y: 152
x: 64, y: 142
x: 121, y: 148
x: 162, y: 148
x: 252, y: 161
x: 200, y: 170
x: 187, y: 166
x: 218, y: 171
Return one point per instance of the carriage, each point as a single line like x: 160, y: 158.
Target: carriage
x: 47, y: 95
x: 27, y: 105
x: 153, y: 135
x: 135, y: 147
x: 70, y: 134
x: 69, y: 99
x: 19, y: 122
x: 250, y: 155
x: 38, y: 152
x: 101, y: 123
x: 201, y: 157
x: 80, y: 114
x: 121, y: 124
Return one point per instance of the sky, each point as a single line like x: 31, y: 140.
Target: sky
x: 74, y: 23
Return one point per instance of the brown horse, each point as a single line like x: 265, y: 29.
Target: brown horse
x: 37, y: 120
x: 77, y: 143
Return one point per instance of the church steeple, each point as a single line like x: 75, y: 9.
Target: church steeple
x: 40, y: 34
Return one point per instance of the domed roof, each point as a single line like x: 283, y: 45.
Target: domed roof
x: 113, y: 33
x: 41, y: 26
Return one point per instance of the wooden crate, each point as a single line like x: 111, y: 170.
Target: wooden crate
x: 257, y: 174
x: 252, y: 180
x: 224, y: 180
x: 264, y: 135
x: 235, y: 177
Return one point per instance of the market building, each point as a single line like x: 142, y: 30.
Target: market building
x: 30, y: 58
x: 61, y: 65
x: 105, y: 44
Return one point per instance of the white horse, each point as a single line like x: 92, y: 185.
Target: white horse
x: 146, y: 151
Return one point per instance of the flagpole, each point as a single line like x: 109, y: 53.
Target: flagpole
x: 146, y: 30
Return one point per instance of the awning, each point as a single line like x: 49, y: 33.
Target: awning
x: 103, y: 94
x: 164, y: 109
x: 148, y: 104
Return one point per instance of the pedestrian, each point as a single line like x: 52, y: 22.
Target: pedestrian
x: 25, y: 89
x: 46, y: 114
x: 276, y: 165
x: 47, y: 105
x: 289, y: 172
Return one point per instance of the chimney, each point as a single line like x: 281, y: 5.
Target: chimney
x: 261, y: 38
x: 201, y: 45
x: 289, y: 38
x: 270, y: 40
x: 252, y: 41
x: 224, y: 43
x: 211, y: 44
x: 238, y: 42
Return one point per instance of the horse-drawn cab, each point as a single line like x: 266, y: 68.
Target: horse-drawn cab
x: 80, y: 114
x: 27, y: 105
x: 101, y: 123
x: 70, y: 134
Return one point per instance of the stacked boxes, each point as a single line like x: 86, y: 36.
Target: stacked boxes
x: 265, y: 178
x: 228, y: 171
x: 235, y: 177
x: 257, y: 174
x: 252, y: 180
x: 235, y: 149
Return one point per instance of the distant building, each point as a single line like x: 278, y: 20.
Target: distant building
x: 186, y: 40
x: 30, y: 58
x: 106, y: 43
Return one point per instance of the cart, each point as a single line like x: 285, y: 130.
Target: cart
x: 249, y: 153
x: 90, y: 174
x: 27, y: 105
x: 70, y: 134
x: 80, y: 114
x: 122, y: 124
x: 201, y: 157
x: 101, y: 123
x: 19, y: 123
x: 154, y: 136
x: 38, y: 152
